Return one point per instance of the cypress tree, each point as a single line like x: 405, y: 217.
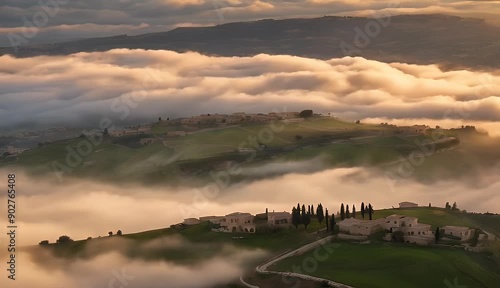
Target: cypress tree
x: 353, y: 211
x: 347, y: 213
x: 305, y: 217
x: 326, y: 218
x: 370, y: 211
x: 298, y: 212
x: 320, y: 214
x: 363, y: 210
x: 342, y: 212
x: 332, y: 224
x: 295, y: 218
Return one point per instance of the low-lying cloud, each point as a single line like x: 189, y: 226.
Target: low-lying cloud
x: 84, y: 208
x: 128, y: 86
x: 111, y: 268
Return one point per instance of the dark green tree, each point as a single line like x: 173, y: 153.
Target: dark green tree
x: 320, y: 213
x: 363, y: 210
x: 64, y: 239
x: 342, y: 212
x: 332, y: 224
x: 447, y: 206
x: 455, y: 207
x: 295, y: 217
x: 298, y: 212
x: 353, y: 211
x: 370, y: 211
x: 312, y: 210
x: 436, y: 235
x: 305, y: 218
x: 347, y: 213
x: 306, y: 113
x: 326, y: 220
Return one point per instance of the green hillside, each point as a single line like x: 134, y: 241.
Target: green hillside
x: 391, y: 265
x: 190, y: 158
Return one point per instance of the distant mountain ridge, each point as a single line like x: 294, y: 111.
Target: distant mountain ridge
x: 420, y: 39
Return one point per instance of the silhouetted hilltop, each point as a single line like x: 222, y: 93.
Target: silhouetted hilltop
x: 421, y: 39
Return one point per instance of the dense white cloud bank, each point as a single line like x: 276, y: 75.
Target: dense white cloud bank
x: 138, y: 85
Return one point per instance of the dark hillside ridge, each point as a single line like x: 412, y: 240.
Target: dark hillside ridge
x: 421, y: 39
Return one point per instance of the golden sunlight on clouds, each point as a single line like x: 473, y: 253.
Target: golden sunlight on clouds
x: 82, y: 208
x: 75, y: 89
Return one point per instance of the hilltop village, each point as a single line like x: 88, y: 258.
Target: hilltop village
x: 350, y: 226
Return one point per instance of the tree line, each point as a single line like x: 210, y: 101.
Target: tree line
x: 365, y: 210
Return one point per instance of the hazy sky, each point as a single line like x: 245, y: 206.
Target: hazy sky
x: 76, y: 19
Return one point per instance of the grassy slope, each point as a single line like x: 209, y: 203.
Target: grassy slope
x: 206, y: 243
x: 382, y: 264
x: 437, y: 217
x: 393, y: 265
x: 490, y: 223
x: 147, y: 163
x: 388, y: 265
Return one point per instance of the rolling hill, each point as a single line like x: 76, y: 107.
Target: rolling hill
x: 421, y: 39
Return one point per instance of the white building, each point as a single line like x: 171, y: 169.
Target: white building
x: 212, y: 219
x: 408, y: 205
x: 233, y: 223
x: 464, y: 233
x: 413, y: 232
x: 366, y: 227
x: 355, y: 226
x: 395, y: 222
x: 281, y: 219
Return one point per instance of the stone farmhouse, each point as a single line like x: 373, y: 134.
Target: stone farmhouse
x: 413, y: 231
x: 408, y: 205
x: 279, y: 219
x: 355, y: 226
x: 238, y: 118
x: 464, y: 233
x: 232, y: 223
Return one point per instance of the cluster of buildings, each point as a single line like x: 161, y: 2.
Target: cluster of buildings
x: 241, y: 222
x: 238, y: 118
x: 415, y: 129
x: 412, y: 231
x: 132, y: 130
